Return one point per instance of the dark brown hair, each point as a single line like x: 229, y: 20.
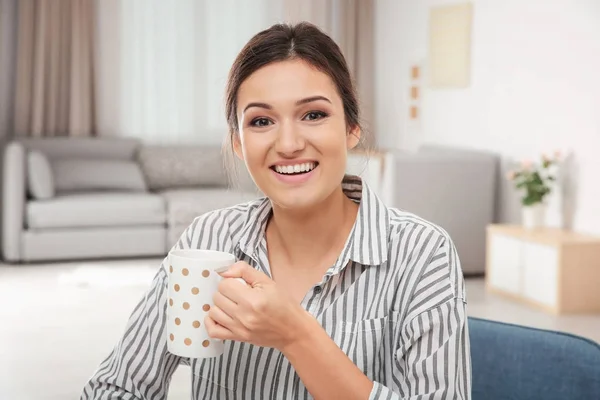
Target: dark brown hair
x: 281, y: 42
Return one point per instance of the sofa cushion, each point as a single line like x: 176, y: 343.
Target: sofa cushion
x: 96, y: 210
x: 184, y: 205
x: 103, y: 148
x: 168, y: 167
x: 73, y: 174
x: 40, y: 181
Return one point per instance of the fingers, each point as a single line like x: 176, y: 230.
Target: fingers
x: 225, y: 304
x: 216, y: 331
x: 234, y: 271
x: 242, y: 270
x: 220, y: 317
x: 234, y: 290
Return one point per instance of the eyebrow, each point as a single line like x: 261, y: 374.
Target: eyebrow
x: 299, y: 102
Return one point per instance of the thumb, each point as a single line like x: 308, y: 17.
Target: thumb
x: 252, y: 276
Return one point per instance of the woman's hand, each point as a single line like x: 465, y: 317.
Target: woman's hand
x: 258, y: 313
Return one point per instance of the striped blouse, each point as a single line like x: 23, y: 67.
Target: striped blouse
x: 394, y: 302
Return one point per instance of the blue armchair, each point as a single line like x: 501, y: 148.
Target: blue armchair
x: 512, y: 362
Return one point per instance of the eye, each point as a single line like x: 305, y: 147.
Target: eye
x: 314, y: 115
x: 260, y: 122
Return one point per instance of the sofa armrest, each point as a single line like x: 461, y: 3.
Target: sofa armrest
x: 13, y: 201
x: 456, y: 193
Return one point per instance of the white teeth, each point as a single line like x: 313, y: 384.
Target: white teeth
x: 294, y: 169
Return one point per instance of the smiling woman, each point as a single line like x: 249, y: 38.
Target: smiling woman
x: 297, y: 98
x: 345, y: 297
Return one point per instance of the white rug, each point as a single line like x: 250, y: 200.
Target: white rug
x: 109, y: 276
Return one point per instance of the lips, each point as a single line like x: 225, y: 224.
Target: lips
x: 295, y: 172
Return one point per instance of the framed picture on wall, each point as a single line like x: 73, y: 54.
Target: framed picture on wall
x: 450, y: 45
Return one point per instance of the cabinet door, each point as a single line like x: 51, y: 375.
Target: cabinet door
x: 540, y: 267
x: 505, y: 263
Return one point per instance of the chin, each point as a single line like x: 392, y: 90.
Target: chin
x: 300, y: 198
x: 294, y: 202
x: 292, y: 198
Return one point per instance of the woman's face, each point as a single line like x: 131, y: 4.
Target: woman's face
x: 293, y: 134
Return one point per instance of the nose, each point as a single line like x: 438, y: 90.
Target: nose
x: 289, y: 140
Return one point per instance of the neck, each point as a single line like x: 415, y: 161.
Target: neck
x: 311, y: 234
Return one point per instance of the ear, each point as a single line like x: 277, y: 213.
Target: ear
x: 353, y: 137
x: 237, y: 146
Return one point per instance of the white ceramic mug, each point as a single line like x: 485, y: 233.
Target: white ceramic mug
x: 193, y: 280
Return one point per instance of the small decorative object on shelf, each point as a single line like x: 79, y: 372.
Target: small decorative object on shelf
x: 535, y: 181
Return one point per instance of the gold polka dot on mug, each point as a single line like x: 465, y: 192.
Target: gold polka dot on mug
x: 185, y: 272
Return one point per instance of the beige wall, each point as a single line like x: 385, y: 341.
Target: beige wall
x: 534, y: 86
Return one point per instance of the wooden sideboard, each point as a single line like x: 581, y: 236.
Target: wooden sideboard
x: 551, y: 269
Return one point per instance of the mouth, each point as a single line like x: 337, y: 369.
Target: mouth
x: 295, y: 169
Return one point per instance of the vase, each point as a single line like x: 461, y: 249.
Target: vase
x: 534, y: 216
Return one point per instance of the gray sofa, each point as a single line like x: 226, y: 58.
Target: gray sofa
x: 78, y: 198
x: 120, y: 198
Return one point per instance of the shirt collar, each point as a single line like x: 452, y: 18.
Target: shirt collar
x: 367, y: 243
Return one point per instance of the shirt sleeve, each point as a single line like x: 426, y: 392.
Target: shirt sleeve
x: 433, y: 360
x: 140, y: 367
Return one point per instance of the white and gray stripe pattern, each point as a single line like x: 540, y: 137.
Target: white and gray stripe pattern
x: 394, y: 302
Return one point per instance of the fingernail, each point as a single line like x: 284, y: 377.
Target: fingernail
x: 220, y: 270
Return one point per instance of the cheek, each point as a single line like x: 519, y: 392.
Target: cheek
x: 254, y: 149
x: 332, y: 138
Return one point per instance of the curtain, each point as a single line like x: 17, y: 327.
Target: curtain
x: 162, y: 65
x: 8, y: 13
x: 54, y: 93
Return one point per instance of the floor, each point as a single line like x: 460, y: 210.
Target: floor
x: 60, y: 320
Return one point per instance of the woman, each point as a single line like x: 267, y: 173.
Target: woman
x: 347, y: 298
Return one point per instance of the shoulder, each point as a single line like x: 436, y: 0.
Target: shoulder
x: 425, y: 256
x: 406, y: 226
x: 222, y: 228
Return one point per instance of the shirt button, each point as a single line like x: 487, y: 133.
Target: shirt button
x: 318, y: 289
